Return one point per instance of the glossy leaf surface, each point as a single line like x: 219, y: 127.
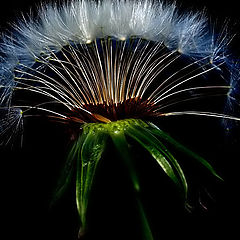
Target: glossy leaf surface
x: 164, y: 136
x: 88, y: 158
x: 164, y: 158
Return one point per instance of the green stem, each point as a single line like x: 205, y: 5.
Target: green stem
x: 121, y: 144
x: 147, y: 233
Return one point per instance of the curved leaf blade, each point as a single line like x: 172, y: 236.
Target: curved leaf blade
x: 153, y: 146
x: 168, y: 155
x: 67, y: 171
x: 164, y: 136
x: 88, y: 158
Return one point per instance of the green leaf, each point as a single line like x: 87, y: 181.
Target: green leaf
x: 164, y: 136
x: 168, y: 155
x: 67, y: 171
x: 160, y: 153
x: 88, y: 157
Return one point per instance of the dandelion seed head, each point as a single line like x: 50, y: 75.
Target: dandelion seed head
x: 102, y: 61
x: 107, y: 69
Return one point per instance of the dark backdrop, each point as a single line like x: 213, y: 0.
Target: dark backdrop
x: 29, y: 174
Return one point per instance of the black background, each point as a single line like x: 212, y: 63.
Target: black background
x: 29, y: 174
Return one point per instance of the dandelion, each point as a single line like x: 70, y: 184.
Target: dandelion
x: 109, y: 70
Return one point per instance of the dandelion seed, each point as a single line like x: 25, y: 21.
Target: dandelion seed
x: 11, y: 124
x: 111, y: 68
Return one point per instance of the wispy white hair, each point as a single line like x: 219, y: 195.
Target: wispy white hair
x: 82, y: 21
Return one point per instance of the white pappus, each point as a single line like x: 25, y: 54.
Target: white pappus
x: 162, y: 35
